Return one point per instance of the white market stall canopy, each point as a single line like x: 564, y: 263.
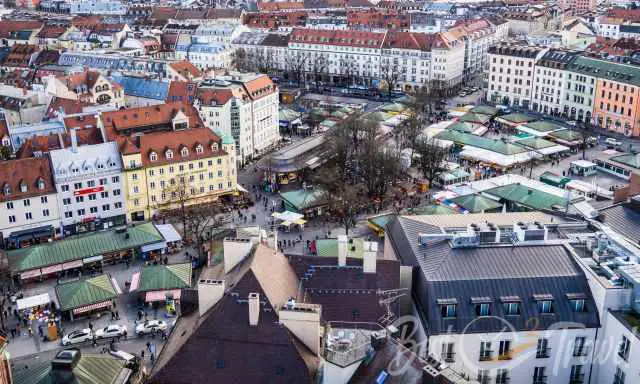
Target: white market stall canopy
x: 33, y: 301
x: 289, y: 217
x: 169, y: 232
x: 486, y: 156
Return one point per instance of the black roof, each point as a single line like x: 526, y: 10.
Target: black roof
x: 515, y: 50
x: 345, y: 293
x: 556, y: 58
x: 496, y: 272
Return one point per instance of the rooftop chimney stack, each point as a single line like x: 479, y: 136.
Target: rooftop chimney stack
x: 343, y: 243
x: 254, y: 308
x: 369, y: 257
x: 74, y: 141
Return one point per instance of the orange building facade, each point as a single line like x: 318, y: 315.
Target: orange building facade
x: 616, y: 106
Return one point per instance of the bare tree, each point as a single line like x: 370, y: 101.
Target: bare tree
x: 296, y: 63
x: 264, y: 61
x: 432, y: 158
x: 410, y: 129
x: 348, y: 69
x: 240, y: 60
x: 343, y: 199
x: 318, y: 68
x: 390, y: 74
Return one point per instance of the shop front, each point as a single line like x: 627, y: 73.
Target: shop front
x: 90, y: 224
x: 30, y: 236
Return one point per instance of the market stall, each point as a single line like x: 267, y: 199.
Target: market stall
x: 87, y: 296
x: 162, y: 283
x: 289, y: 219
x: 171, y: 237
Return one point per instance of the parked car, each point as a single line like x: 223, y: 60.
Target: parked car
x: 151, y: 326
x: 612, y: 143
x: 114, y: 330
x: 77, y: 337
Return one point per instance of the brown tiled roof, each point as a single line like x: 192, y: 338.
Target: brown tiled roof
x: 259, y: 87
x: 182, y: 91
x: 187, y: 67
x: 83, y: 121
x: 67, y: 106
x: 223, y: 13
x: 47, y: 56
x: 224, y: 348
x: 127, y: 147
x: 338, y: 37
x: 51, y: 32
x: 279, y: 5
x: 88, y: 78
x: 207, y: 96
x: 163, y: 13
x: 20, y: 55
x: 28, y: 171
x: 154, y: 115
x: 9, y: 26
x: 413, y: 40
x: 160, y: 142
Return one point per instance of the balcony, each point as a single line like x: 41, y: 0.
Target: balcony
x: 449, y: 357
x: 577, y: 378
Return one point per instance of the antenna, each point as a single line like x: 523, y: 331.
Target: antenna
x: 386, y: 298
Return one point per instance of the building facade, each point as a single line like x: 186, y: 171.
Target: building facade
x: 89, y: 182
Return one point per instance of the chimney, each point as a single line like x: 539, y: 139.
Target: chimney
x: 343, y: 243
x: 254, y: 308
x: 209, y: 293
x: 74, y: 141
x: 369, y: 257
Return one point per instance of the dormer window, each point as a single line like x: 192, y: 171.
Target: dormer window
x: 481, y: 305
x: 214, y: 147
x: 23, y: 186
x: 448, y: 308
x: 169, y: 154
x: 184, y: 152
x: 511, y: 305
x: 40, y: 184
x: 544, y: 303
x: 199, y: 148
x: 153, y: 156
x: 6, y: 189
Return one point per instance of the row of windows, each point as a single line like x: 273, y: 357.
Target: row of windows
x: 28, y: 216
x: 82, y: 211
x: 27, y: 202
x: 510, y: 308
x: 90, y: 183
x: 91, y: 197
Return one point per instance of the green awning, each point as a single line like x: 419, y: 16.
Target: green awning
x: 85, y: 292
x: 163, y: 277
x: 79, y: 247
x: 476, y: 203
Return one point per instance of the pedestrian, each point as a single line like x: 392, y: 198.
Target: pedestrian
x: 91, y: 327
x: 113, y: 315
x: 117, y: 316
x: 94, y: 341
x: 148, y: 346
x: 40, y: 330
x: 114, y: 304
x: 30, y: 332
x: 142, y: 354
x: 139, y: 315
x: 13, y: 333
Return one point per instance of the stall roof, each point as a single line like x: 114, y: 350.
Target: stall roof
x: 80, y: 293
x: 91, y: 369
x: 302, y: 199
x: 476, y: 203
x: 80, y: 247
x: 566, y: 135
x: 516, y: 118
x: 475, y: 118
x: 629, y: 159
x: 493, y: 145
x: 536, y: 143
x: 33, y: 301
x: 163, y: 277
x: 583, y: 163
x: 543, y: 126
x: 554, y: 178
x: 329, y: 248
x: 168, y: 232
x: 382, y: 220
x: 493, y: 157
x: 526, y: 196
x: 484, y: 110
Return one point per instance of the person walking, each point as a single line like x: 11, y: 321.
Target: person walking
x: 117, y: 316
x: 13, y: 332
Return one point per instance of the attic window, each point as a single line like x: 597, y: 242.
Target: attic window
x: 40, y: 184
x: 199, y: 148
x: 154, y: 156
x: 23, y: 187
x: 214, y: 147
x: 6, y: 190
x: 184, y: 152
x: 169, y: 154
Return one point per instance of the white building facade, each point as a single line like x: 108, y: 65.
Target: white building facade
x: 89, y: 181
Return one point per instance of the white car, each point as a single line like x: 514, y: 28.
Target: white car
x: 76, y: 337
x: 151, y: 326
x: 114, y: 330
x: 611, y: 142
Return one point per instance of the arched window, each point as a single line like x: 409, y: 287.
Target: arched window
x: 154, y: 156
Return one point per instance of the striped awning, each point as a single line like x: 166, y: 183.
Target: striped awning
x: 72, y: 264
x: 30, y: 274
x: 87, y: 308
x: 52, y: 269
x: 135, y: 282
x: 162, y: 295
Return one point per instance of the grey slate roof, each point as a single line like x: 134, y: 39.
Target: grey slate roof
x: 493, y: 272
x: 624, y: 219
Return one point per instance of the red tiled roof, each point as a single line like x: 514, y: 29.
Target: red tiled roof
x: 116, y: 122
x: 186, y: 67
x: 67, y: 106
x: 182, y: 91
x: 28, y: 171
x: 161, y: 142
x: 80, y: 122
x: 207, y: 96
x: 413, y: 40
x: 88, y: 78
x: 8, y: 26
x: 51, y: 32
x: 4, y: 131
x: 279, y: 5
x: 259, y: 87
x: 338, y: 37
